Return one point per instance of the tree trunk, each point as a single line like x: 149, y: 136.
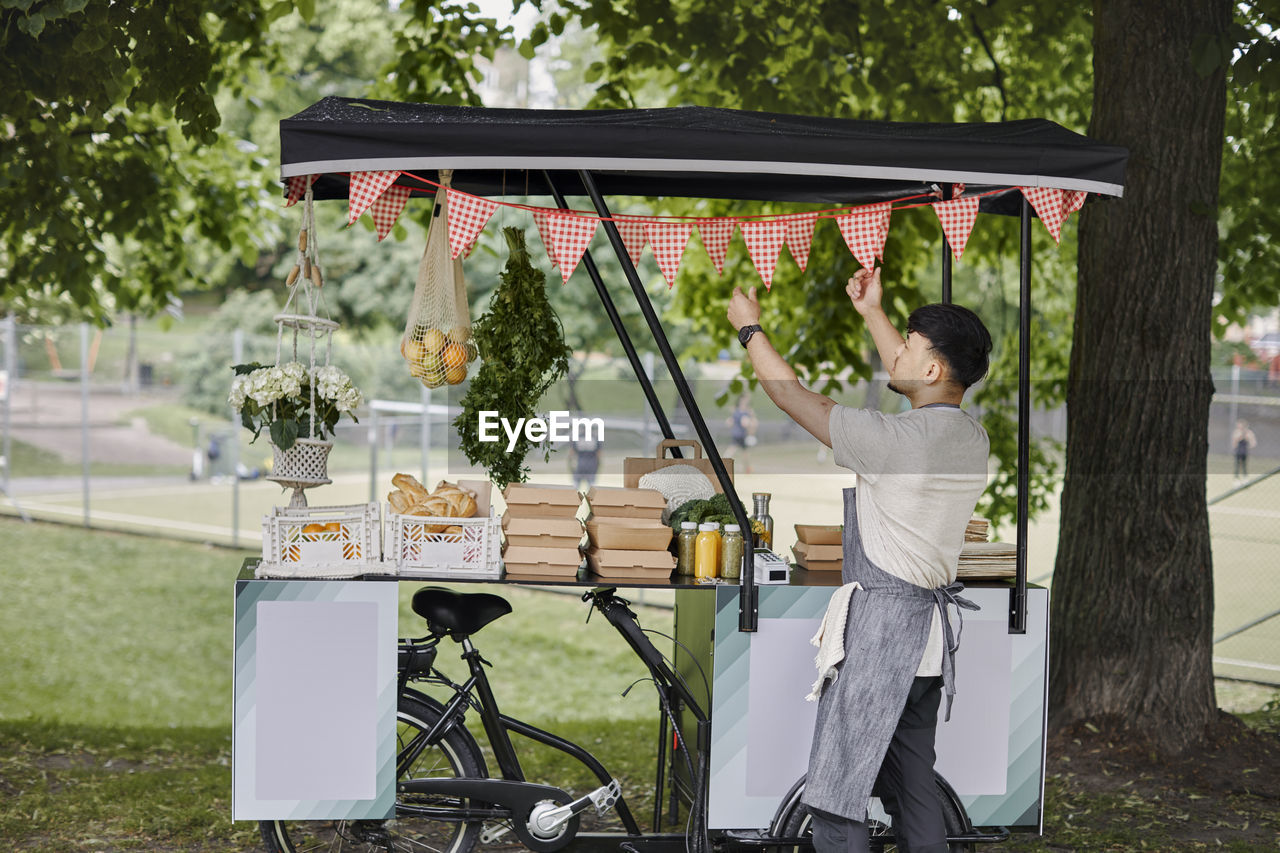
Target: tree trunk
x: 1132, y: 607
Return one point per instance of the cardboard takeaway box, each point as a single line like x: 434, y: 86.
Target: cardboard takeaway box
x: 613, y: 502
x: 627, y: 565
x: 629, y: 534
x: 532, y: 500
x: 557, y: 563
x: 820, y: 534
x: 818, y: 558
x: 542, y: 532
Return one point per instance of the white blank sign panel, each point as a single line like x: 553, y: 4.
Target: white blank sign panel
x: 317, y: 700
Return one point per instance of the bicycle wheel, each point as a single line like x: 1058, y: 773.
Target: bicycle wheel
x: 794, y: 821
x: 455, y: 755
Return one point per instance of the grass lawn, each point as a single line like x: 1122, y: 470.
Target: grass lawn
x: 115, y: 708
x: 115, y: 697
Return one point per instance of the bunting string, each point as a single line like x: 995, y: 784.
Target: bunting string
x: 566, y: 234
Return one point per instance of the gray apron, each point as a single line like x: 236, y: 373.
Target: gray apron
x: 885, y: 636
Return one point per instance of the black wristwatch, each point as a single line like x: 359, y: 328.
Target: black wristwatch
x: 745, y: 333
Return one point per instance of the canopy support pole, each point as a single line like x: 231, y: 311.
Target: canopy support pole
x: 946, y: 254
x: 1018, y: 595
x: 616, y: 320
x: 748, y: 601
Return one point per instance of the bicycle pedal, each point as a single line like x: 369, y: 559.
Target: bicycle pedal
x: 606, y: 797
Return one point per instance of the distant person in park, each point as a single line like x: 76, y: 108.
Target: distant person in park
x: 584, y: 456
x: 214, y: 453
x: 1242, y: 441
x: 742, y: 431
x: 920, y: 474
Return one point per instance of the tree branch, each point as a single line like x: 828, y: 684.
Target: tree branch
x: 995, y: 65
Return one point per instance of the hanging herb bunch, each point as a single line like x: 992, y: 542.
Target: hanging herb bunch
x: 521, y: 343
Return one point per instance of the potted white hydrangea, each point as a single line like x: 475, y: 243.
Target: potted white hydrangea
x: 299, y: 407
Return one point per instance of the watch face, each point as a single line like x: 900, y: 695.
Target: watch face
x: 745, y: 333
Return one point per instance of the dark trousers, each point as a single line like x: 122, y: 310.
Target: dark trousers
x: 905, y: 785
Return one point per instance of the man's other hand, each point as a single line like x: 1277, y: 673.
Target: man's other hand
x: 864, y: 290
x: 744, y: 310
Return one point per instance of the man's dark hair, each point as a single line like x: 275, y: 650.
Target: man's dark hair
x: 957, y: 336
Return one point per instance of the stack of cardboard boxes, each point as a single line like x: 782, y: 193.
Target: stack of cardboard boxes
x: 542, y: 531
x: 818, y: 547
x: 628, y: 541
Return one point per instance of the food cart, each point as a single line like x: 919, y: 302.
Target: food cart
x: 992, y: 752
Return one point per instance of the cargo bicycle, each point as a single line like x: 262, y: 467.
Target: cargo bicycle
x: 447, y: 800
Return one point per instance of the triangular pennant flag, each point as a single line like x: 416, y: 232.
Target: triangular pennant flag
x: 800, y: 236
x: 884, y: 229
x: 1048, y: 204
x: 764, y: 239
x: 864, y: 230
x: 570, y: 233
x: 386, y: 209
x: 716, y: 234
x: 298, y: 186
x: 540, y: 220
x: 364, y: 190
x: 668, y: 241
x: 957, y: 217
x: 1072, y: 200
x: 468, y: 214
x: 632, y: 233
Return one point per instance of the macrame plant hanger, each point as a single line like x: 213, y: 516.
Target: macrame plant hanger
x: 305, y: 465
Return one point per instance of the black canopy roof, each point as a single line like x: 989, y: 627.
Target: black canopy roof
x: 697, y: 152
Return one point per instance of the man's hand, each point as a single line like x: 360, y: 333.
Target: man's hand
x: 864, y: 290
x: 744, y: 310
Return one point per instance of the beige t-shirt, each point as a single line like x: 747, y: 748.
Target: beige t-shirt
x: 920, y: 474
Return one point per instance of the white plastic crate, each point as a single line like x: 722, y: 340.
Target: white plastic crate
x: 321, y: 542
x: 419, y: 546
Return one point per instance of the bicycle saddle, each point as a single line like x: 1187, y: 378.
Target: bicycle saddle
x: 458, y: 613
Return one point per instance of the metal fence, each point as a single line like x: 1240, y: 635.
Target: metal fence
x: 99, y: 429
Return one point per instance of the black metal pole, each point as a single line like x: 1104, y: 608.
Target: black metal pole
x: 748, y: 601
x: 611, y: 309
x: 1018, y: 596
x: 946, y: 254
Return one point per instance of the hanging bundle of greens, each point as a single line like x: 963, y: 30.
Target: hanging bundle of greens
x: 522, y: 345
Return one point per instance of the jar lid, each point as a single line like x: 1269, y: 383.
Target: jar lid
x: 688, y: 525
x: 732, y: 528
x: 761, y: 494
x: 708, y: 526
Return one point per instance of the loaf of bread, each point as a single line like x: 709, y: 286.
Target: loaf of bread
x: 410, y: 497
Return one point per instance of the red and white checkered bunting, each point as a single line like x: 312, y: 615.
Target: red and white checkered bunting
x: 364, y: 190
x: 298, y: 186
x: 716, y: 234
x: 800, y: 236
x: 1072, y: 200
x: 386, y: 209
x: 1049, y: 206
x: 764, y: 239
x: 468, y: 214
x: 570, y: 234
x: 540, y: 220
x: 668, y: 241
x: 865, y: 231
x: 632, y: 233
x: 957, y: 217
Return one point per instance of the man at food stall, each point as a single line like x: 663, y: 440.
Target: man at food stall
x: 919, y: 476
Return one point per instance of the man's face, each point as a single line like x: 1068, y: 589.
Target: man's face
x: 914, y: 365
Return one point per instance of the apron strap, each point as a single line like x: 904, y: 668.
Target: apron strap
x: 943, y: 596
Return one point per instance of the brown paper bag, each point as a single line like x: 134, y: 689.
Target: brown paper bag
x: 635, y: 467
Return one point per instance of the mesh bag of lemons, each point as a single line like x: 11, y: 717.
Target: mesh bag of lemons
x: 437, y: 341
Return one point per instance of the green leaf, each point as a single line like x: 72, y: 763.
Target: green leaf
x: 307, y: 9
x: 284, y: 433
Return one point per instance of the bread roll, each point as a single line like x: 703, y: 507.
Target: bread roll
x: 461, y: 504
x: 433, y: 506
x: 411, y: 486
x: 400, y: 502
x: 453, y: 528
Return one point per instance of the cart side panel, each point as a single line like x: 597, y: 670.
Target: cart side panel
x: 992, y: 749
x: 315, y: 700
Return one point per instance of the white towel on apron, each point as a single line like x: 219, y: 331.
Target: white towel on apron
x: 830, y: 638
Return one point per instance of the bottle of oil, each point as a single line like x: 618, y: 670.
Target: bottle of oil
x: 761, y: 514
